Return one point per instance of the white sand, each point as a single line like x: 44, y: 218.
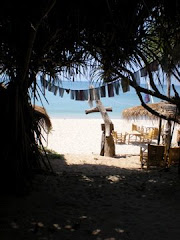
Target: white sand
x: 83, y: 136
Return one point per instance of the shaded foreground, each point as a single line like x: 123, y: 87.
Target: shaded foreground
x: 94, y: 201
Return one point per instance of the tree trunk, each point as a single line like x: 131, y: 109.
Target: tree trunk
x: 168, y: 78
x: 168, y: 138
x: 19, y: 153
x: 107, y: 142
x: 102, y: 144
x: 107, y: 127
x: 109, y: 148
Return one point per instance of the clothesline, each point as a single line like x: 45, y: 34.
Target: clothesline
x: 108, y: 89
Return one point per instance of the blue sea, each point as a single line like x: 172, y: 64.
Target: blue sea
x: 65, y: 107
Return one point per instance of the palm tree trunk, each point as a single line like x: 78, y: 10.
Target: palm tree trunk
x: 168, y: 125
x: 168, y: 78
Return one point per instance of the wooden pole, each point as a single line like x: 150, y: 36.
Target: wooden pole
x: 109, y: 146
x: 107, y: 141
x: 96, y: 109
x: 159, y: 134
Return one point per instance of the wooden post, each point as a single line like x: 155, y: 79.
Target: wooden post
x: 108, y: 109
x: 107, y: 142
x: 109, y: 146
x: 159, y: 134
x: 102, y: 142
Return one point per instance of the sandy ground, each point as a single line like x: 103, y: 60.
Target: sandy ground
x: 94, y: 197
x: 83, y: 136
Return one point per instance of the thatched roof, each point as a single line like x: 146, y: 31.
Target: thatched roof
x: 137, y: 112
x: 43, y: 117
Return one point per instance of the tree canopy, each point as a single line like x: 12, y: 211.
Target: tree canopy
x: 52, y: 37
x: 60, y: 36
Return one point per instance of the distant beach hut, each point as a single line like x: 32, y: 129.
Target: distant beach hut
x: 163, y: 108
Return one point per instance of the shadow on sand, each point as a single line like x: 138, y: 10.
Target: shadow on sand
x: 98, y: 202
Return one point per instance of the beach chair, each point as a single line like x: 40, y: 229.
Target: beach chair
x: 153, y: 156
x: 119, y: 137
x: 146, y: 137
x: 140, y: 129
x: 134, y: 135
x: 155, y: 133
x: 150, y: 136
x: 134, y: 127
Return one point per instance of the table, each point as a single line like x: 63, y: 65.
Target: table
x: 134, y: 136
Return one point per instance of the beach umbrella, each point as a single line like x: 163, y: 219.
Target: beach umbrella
x: 163, y: 108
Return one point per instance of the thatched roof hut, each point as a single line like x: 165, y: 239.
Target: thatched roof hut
x: 163, y: 108
x: 43, y: 118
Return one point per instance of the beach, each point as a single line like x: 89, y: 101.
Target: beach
x: 79, y: 140
x: 83, y: 136
x: 92, y: 197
